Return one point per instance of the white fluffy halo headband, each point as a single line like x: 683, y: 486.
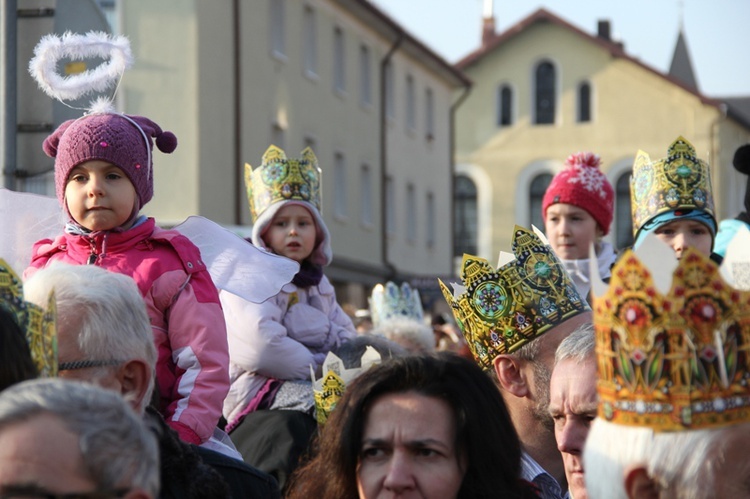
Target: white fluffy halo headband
x: 115, y: 50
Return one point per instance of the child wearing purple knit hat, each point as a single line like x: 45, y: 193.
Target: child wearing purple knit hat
x: 103, y: 177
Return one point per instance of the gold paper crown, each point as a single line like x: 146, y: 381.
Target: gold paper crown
x: 672, y: 358
x: 501, y: 310
x: 37, y: 324
x: 329, y: 389
x: 680, y: 181
x: 282, y: 179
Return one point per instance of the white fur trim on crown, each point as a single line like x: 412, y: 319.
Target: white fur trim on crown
x: 52, y: 48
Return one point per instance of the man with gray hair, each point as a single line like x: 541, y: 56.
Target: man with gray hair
x: 513, y: 318
x: 572, y: 403
x: 673, y: 415
x: 67, y: 439
x: 104, y: 337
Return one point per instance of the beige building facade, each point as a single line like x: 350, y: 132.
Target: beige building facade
x: 545, y: 89
x: 231, y: 77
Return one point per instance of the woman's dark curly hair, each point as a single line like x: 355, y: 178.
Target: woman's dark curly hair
x: 484, y: 431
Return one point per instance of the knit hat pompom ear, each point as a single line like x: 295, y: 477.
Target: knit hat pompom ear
x: 166, y: 142
x: 52, y: 141
x: 741, y: 159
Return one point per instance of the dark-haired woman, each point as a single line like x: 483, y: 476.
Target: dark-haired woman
x: 432, y: 426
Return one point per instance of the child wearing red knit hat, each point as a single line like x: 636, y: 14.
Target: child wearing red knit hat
x: 103, y: 177
x: 577, y: 209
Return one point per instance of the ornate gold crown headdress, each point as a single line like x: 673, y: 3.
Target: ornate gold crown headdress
x: 329, y: 389
x: 390, y: 301
x: 672, y: 347
x: 282, y: 179
x: 501, y: 310
x: 679, y: 181
x: 37, y: 324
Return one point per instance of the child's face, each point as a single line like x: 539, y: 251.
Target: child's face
x: 680, y: 234
x: 292, y: 233
x: 99, y: 195
x: 570, y: 231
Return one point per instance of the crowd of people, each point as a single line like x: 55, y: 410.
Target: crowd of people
x: 574, y: 369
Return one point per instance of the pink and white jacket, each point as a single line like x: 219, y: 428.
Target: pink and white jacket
x: 279, y: 339
x: 184, y: 308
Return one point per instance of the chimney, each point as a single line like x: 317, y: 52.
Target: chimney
x: 488, y: 30
x: 603, y: 30
x: 488, y: 22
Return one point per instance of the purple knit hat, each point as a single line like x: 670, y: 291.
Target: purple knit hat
x: 120, y: 139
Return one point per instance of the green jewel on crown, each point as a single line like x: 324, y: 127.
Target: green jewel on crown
x: 281, y: 179
x: 500, y: 310
x: 678, y: 181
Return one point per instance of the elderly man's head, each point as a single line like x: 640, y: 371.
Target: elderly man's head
x: 104, y: 334
x: 626, y: 462
x: 62, y: 438
x: 573, y: 402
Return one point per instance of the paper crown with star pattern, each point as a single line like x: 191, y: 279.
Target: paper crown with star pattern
x: 282, y: 179
x: 500, y: 310
x: 673, y: 339
x: 681, y: 181
x: 390, y: 301
x: 329, y: 389
x: 37, y: 324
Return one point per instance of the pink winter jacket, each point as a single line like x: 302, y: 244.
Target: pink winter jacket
x: 183, y: 305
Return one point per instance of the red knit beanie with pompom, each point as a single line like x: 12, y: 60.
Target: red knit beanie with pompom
x: 583, y: 184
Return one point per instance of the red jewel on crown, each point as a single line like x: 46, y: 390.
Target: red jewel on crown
x: 103, y: 144
x: 137, y: 166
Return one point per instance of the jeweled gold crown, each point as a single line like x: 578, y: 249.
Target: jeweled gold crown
x: 37, y: 324
x: 390, y: 301
x: 282, y: 179
x: 501, y: 310
x: 672, y: 354
x: 329, y: 389
x: 680, y: 181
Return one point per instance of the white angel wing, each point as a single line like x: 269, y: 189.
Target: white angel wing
x: 236, y: 265
x: 26, y: 218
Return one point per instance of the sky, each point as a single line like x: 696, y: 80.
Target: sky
x: 717, y: 31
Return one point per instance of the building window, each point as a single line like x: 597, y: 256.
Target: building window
x: 339, y: 196
x: 310, y: 37
x: 544, y: 93
x: 536, y: 193
x: 390, y: 206
x: 277, y: 27
x: 411, y: 105
x: 339, y: 69
x: 465, y: 216
x: 365, y: 76
x: 429, y: 105
x: 584, y: 102
x: 411, y: 213
x: 390, y: 110
x: 365, y: 195
x: 504, y: 106
x: 430, y: 222
x: 624, y: 217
